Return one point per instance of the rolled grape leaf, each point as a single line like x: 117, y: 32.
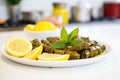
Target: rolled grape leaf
x: 75, y: 42
x: 59, y: 45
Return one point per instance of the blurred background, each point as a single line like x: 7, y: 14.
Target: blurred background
x: 18, y: 13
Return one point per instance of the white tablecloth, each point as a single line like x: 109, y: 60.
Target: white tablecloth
x: 108, y: 69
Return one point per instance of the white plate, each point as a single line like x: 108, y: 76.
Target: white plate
x: 60, y: 63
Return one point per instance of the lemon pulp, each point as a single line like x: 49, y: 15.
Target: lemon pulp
x: 53, y: 57
x: 18, y: 47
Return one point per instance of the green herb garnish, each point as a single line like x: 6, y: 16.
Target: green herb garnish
x: 67, y: 39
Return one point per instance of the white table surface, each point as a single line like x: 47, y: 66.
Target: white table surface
x: 108, y: 69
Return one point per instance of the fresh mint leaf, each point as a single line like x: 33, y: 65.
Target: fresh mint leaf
x: 75, y: 42
x: 73, y: 34
x: 67, y: 39
x: 64, y: 35
x: 59, y: 45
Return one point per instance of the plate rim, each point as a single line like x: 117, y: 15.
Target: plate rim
x: 18, y: 60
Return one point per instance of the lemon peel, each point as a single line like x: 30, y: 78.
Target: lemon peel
x: 32, y: 55
x: 53, y: 57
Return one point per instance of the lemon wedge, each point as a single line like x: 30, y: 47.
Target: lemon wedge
x: 32, y: 55
x: 18, y: 47
x: 53, y: 57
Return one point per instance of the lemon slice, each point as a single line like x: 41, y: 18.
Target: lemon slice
x: 18, y: 47
x: 32, y: 55
x: 53, y: 57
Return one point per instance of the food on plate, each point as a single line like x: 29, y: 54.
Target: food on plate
x: 53, y: 57
x: 66, y: 47
x: 79, y: 51
x: 35, y: 43
x: 18, y: 47
x: 53, y: 39
x: 33, y: 54
x: 41, y: 26
x: 76, y: 47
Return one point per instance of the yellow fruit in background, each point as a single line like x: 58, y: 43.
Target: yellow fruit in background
x: 41, y: 26
x: 29, y: 27
x: 53, y: 57
x: 18, y: 47
x: 44, y: 26
x: 32, y: 55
